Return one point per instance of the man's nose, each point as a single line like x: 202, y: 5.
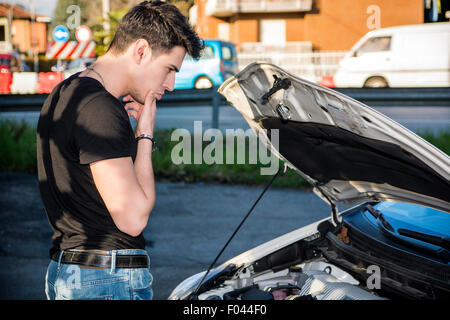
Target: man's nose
x: 169, y: 84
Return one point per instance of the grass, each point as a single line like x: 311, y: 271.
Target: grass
x: 221, y: 173
x: 440, y: 141
x: 18, y: 153
x: 17, y: 147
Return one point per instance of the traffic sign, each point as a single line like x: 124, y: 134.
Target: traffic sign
x: 60, y: 33
x: 83, y: 33
x: 71, y: 50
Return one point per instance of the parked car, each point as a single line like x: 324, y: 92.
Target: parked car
x: 12, y: 63
x: 217, y: 63
x: 403, y: 56
x: 70, y: 67
x: 393, y: 239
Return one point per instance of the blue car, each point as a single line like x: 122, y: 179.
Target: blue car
x: 217, y: 63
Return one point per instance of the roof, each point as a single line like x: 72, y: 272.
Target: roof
x: 20, y: 13
x: 431, y: 27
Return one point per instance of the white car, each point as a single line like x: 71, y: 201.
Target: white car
x: 401, y: 56
x: 393, y: 241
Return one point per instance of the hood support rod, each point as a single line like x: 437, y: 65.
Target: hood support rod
x: 194, y: 294
x: 334, y: 209
x: 334, y: 215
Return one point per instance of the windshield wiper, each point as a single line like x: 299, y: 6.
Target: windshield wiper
x: 443, y: 242
x: 379, y: 217
x: 388, y: 230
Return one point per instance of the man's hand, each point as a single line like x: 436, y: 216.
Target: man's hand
x: 144, y: 114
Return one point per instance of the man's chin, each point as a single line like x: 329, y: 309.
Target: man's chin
x: 137, y: 99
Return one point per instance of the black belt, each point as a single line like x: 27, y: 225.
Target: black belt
x: 101, y: 260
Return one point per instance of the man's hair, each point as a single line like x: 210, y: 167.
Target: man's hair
x: 161, y: 24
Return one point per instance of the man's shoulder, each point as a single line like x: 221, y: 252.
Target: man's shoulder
x: 75, y: 93
x: 85, y: 89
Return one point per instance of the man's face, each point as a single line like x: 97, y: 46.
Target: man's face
x: 157, y: 73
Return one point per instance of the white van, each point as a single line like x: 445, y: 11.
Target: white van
x: 403, y: 56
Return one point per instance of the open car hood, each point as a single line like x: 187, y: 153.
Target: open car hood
x: 348, y: 151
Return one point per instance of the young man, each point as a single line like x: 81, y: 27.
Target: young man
x: 95, y: 174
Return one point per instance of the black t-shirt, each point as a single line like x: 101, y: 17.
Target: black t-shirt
x: 81, y: 122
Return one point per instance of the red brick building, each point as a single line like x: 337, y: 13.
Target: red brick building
x: 327, y: 24
x: 20, y: 29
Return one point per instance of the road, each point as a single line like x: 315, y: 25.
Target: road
x: 189, y: 225
x: 416, y: 119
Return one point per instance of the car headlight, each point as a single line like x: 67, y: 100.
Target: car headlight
x: 187, y: 287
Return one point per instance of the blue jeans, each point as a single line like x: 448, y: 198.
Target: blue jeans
x: 70, y: 281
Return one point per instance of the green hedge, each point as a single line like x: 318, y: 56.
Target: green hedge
x: 18, y: 147
x: 18, y: 153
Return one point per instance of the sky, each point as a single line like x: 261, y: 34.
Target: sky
x: 44, y: 7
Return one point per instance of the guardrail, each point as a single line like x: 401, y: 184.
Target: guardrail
x: 210, y: 98
x: 400, y: 97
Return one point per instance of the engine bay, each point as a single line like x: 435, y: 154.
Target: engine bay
x: 316, y: 280
x: 332, y: 265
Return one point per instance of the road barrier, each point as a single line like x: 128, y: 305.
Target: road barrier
x: 399, y: 97
x: 48, y: 80
x: 373, y: 97
x: 5, y: 82
x: 24, y: 82
x: 30, y: 82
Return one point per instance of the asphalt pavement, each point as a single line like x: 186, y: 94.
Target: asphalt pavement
x: 417, y: 119
x: 187, y: 228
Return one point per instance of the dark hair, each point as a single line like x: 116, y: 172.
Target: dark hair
x: 161, y: 24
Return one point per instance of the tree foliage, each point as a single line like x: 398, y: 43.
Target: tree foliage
x: 104, y: 37
x: 91, y: 15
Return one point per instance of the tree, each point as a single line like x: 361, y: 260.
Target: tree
x: 104, y: 37
x: 91, y: 15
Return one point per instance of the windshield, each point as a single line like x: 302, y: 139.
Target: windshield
x: 374, y: 45
x: 228, y: 53
x: 414, y: 218
x: 4, y: 61
x: 207, y: 53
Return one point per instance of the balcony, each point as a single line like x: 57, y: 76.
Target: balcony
x: 226, y: 8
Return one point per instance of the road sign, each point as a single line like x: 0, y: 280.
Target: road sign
x: 83, y: 33
x: 71, y: 50
x: 60, y: 33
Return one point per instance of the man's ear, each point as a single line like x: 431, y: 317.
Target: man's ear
x: 141, y: 50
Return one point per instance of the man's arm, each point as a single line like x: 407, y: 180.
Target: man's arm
x: 127, y: 189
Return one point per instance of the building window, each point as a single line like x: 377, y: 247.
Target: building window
x: 223, y: 31
x: 272, y: 31
x: 374, y: 45
x: 2, y: 32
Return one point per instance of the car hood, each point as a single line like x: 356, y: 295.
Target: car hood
x: 348, y: 151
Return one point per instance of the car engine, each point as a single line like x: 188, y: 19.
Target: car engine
x: 317, y: 280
